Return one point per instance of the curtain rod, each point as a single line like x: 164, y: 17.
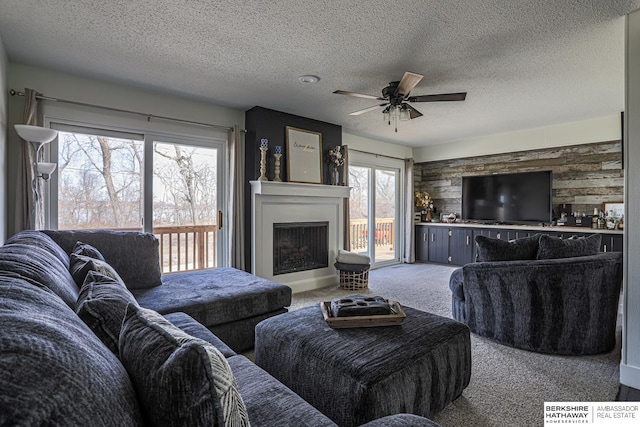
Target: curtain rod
x: 377, y: 155
x: 118, y: 110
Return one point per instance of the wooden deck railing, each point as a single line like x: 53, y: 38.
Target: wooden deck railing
x: 193, y: 247
x: 189, y: 247
x: 384, y: 233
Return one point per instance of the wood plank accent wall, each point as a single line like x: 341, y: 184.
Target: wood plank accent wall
x: 583, y: 175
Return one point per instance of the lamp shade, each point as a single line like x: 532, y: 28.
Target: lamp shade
x: 36, y: 133
x: 46, y: 168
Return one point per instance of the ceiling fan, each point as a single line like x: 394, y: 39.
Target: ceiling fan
x: 397, y: 98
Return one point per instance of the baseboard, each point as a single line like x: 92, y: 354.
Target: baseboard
x: 312, y: 283
x: 630, y: 376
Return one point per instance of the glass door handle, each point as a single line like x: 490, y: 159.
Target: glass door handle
x: 219, y: 219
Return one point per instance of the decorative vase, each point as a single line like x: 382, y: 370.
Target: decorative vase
x: 335, y: 176
x: 428, y: 219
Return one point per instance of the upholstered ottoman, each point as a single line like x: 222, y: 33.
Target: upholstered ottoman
x: 357, y: 375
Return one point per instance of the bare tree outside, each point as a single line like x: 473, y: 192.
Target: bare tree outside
x: 185, y: 185
x: 359, y: 199
x: 99, y: 182
x: 100, y: 185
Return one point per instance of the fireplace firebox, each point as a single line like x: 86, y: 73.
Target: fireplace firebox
x: 300, y: 246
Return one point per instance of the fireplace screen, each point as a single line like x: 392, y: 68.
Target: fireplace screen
x: 300, y: 246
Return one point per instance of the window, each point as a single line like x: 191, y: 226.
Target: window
x: 168, y: 185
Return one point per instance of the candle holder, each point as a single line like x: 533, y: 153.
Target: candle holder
x: 263, y: 164
x: 276, y: 178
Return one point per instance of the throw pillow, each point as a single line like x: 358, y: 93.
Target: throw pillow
x: 135, y: 256
x: 554, y: 247
x: 102, y: 304
x: 80, y: 265
x: 499, y: 250
x: 86, y: 249
x: 181, y: 380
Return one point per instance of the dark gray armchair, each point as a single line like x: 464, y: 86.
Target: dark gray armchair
x: 560, y: 306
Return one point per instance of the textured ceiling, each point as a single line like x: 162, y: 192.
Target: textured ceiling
x: 523, y: 63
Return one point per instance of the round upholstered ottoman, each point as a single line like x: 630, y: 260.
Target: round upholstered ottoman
x: 356, y: 375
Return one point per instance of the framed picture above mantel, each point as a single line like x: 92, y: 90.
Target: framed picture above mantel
x: 304, y: 155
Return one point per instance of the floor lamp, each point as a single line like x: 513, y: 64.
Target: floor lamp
x: 37, y: 136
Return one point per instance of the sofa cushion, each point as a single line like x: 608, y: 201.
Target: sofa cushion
x: 217, y: 296
x: 135, y: 256
x: 86, y: 249
x: 554, y: 247
x: 81, y: 265
x: 499, y: 250
x: 41, y: 240
x: 181, y: 380
x: 40, y: 267
x: 102, y: 305
x: 270, y: 401
x: 55, y: 371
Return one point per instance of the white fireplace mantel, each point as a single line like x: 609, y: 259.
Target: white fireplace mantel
x: 282, y: 202
x: 272, y: 188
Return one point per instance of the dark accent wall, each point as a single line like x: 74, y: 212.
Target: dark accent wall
x: 265, y: 123
x: 584, y: 175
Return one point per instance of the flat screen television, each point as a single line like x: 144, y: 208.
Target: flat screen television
x: 513, y: 198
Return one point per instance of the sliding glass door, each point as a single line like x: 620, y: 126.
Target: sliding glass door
x: 386, y: 230
x: 171, y: 187
x: 185, y: 205
x: 375, y: 209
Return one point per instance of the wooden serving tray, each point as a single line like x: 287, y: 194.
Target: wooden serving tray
x: 363, y: 321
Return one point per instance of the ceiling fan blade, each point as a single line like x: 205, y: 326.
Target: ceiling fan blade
x: 357, y: 95
x: 408, y: 82
x: 442, y: 97
x: 366, y: 110
x: 413, y: 113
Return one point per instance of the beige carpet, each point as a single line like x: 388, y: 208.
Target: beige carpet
x: 508, y: 386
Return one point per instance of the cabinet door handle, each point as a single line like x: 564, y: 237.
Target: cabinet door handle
x: 498, y: 235
x: 424, y: 237
x: 468, y: 240
x: 449, y: 259
x: 605, y: 248
x: 433, y: 237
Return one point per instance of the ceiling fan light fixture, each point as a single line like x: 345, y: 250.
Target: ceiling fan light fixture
x: 308, y: 79
x: 397, y: 96
x: 404, y: 113
x: 386, y: 116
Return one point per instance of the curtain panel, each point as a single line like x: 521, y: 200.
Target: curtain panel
x: 29, y: 209
x: 409, y: 241
x: 236, y: 199
x: 347, y: 216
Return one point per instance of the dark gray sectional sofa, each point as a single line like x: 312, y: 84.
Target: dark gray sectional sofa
x: 541, y: 294
x: 63, y: 362
x: 229, y: 302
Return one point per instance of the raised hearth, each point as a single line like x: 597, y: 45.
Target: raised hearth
x: 278, y: 204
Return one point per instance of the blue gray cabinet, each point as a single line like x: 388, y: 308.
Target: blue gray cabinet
x: 422, y: 243
x: 461, y: 246
x: 455, y: 245
x: 439, y: 245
